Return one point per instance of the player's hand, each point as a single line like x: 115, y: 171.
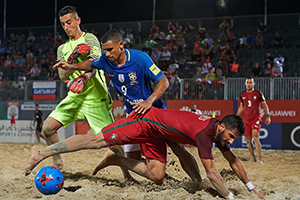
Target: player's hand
x: 62, y: 65
x: 76, y: 84
x: 268, y: 121
x: 258, y: 194
x: 142, y: 107
x: 79, y: 50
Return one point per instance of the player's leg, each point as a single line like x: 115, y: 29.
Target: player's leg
x: 255, y: 136
x: 133, y: 151
x: 99, y: 116
x: 37, y: 133
x: 67, y: 111
x: 74, y: 143
x: 248, y: 136
x: 50, y: 128
x: 187, y: 161
x: 251, y: 149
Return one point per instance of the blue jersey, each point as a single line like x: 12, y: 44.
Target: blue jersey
x: 133, y: 79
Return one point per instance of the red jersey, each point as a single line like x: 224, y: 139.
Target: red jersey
x: 179, y: 126
x: 251, y: 102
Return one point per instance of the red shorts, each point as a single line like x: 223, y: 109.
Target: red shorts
x: 249, y: 126
x: 132, y: 131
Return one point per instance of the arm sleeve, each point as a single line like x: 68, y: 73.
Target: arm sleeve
x: 149, y: 68
x: 94, y: 43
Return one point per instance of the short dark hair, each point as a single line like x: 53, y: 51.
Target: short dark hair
x: 36, y: 104
x: 111, y: 35
x: 66, y: 10
x: 234, y: 122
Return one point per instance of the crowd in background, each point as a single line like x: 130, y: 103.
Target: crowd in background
x: 182, y: 51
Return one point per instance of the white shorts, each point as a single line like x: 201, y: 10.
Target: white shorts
x: 131, y: 147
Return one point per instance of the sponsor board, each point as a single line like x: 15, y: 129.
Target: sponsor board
x: 270, y: 137
x: 221, y: 108
x: 291, y: 136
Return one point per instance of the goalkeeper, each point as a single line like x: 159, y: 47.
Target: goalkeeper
x: 88, y: 98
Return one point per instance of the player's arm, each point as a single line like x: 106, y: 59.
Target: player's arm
x: 83, y: 66
x: 42, y: 122
x: 161, y: 87
x: 265, y: 107
x: 239, y: 169
x: 215, y: 178
x: 240, y: 109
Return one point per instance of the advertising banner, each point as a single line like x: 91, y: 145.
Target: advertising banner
x: 270, y: 137
x: 291, y: 136
x: 221, y: 108
x: 44, y: 90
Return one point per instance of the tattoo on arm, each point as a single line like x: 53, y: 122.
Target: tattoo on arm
x: 59, y: 147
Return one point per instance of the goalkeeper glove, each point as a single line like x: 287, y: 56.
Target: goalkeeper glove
x: 76, y: 84
x: 78, y: 50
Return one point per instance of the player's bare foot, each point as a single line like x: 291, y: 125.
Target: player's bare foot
x: 109, y: 155
x: 35, y: 158
x: 259, y: 162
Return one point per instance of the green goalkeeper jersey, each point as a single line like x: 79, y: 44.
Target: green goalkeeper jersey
x: 95, y: 88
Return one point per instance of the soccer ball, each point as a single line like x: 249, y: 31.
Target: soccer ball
x: 49, y: 180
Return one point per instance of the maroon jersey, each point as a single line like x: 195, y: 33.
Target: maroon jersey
x: 251, y: 102
x: 178, y: 126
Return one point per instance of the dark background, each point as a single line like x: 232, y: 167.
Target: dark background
x: 41, y: 12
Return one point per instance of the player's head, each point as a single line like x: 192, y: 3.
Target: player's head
x: 249, y: 83
x: 69, y: 20
x: 112, y: 45
x: 36, y: 107
x: 229, y: 129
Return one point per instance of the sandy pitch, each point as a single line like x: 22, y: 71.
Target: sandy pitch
x: 278, y: 178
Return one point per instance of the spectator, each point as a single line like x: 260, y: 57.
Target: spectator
x: 256, y: 70
x: 224, y: 26
x: 280, y: 59
x: 169, y: 74
x: 198, y: 74
x: 201, y: 33
x: 129, y: 39
x: 243, y: 41
x: 30, y: 39
x: 149, y: 44
x: 259, y: 40
x: 207, y: 40
x: 156, y: 52
x: 206, y: 66
x: 17, y: 85
x: 210, y: 76
x: 3, y: 49
x: 278, y: 40
x: 174, y: 78
x: 195, y: 110
x: 268, y: 71
x: 186, y: 90
x: 22, y: 77
x: 44, y: 63
x: 5, y: 85
x: 174, y: 66
x: 178, y: 27
x: 52, y: 75
x: 199, y: 89
x: 176, y: 89
x: 250, y: 41
x: 29, y: 55
x: 262, y: 28
x: 165, y: 58
x: 35, y: 71
x: 188, y: 28
x: 154, y: 30
x: 21, y: 62
x: 40, y: 53
x: 219, y: 75
x: 277, y: 71
x: 268, y: 59
x: 180, y: 43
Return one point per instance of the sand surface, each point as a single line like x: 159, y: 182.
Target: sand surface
x: 278, y: 178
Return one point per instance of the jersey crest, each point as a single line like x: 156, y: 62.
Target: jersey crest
x: 132, y: 77
x: 121, y: 78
